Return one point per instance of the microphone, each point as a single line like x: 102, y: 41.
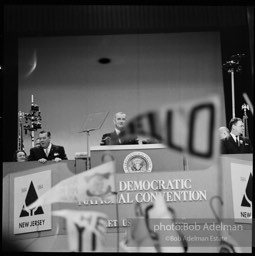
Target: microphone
x: 106, y: 140
x: 185, y: 163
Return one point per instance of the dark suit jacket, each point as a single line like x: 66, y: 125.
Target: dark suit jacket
x: 37, y: 153
x: 113, y: 139
x: 229, y: 146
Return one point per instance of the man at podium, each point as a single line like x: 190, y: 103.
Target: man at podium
x: 235, y: 143
x: 116, y: 137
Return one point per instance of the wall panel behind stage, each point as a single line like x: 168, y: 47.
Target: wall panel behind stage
x: 145, y: 72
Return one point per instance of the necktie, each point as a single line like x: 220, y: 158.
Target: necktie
x: 237, y: 141
x: 46, y: 152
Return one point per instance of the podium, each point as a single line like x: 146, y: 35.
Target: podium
x: 161, y: 157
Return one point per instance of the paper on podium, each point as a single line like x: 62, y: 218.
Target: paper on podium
x: 94, y: 121
x: 81, y: 155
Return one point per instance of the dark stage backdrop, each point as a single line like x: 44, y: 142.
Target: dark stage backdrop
x: 145, y: 72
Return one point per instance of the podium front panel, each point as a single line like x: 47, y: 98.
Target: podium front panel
x: 162, y: 159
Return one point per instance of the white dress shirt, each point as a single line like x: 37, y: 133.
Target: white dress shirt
x: 118, y: 132
x: 236, y: 138
x: 48, y: 149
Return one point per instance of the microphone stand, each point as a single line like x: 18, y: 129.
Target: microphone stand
x: 185, y: 163
x: 232, y: 66
x: 88, y: 152
x: 34, y: 117
x: 88, y: 162
x: 90, y: 122
x: 117, y: 217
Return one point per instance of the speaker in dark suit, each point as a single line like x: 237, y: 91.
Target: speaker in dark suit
x: 118, y: 137
x: 235, y: 143
x: 230, y: 146
x: 46, y: 150
x: 114, y: 139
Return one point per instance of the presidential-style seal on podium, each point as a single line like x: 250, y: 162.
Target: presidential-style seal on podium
x: 137, y: 162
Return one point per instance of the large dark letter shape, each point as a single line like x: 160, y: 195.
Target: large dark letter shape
x: 194, y: 111
x: 169, y: 132
x: 80, y: 231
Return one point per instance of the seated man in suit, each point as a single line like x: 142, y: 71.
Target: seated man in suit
x: 46, y: 150
x: 117, y: 137
x: 236, y: 143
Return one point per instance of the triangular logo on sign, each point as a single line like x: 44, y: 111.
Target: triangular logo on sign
x: 24, y: 213
x: 248, y: 193
x: 30, y: 198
